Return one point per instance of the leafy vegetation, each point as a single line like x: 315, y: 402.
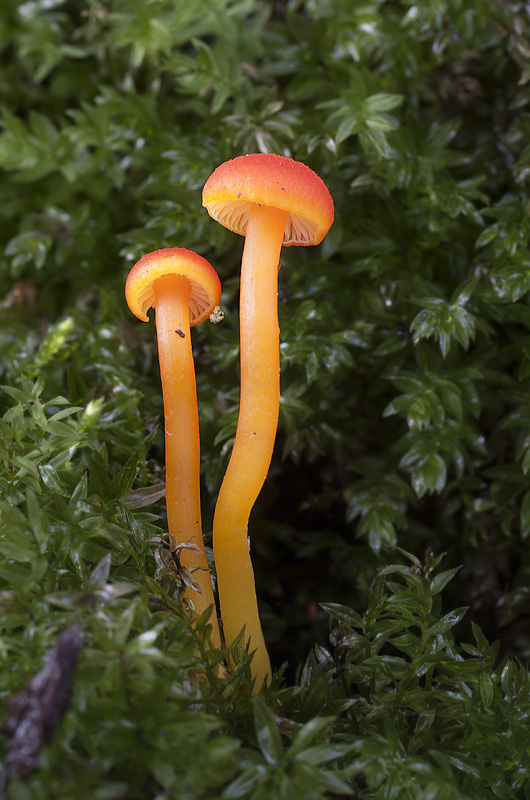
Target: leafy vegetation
x: 405, y: 417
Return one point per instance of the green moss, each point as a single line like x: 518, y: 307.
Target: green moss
x: 405, y: 414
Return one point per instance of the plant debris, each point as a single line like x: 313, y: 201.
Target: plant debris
x: 36, y: 712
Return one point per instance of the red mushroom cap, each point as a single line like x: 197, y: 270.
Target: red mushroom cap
x: 271, y: 180
x: 205, y: 283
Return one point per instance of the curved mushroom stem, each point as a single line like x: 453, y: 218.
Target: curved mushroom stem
x: 256, y: 432
x: 172, y: 293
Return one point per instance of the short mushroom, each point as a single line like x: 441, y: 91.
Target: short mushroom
x: 184, y: 289
x: 271, y: 200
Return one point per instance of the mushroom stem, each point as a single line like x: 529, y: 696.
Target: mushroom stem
x: 256, y: 432
x: 172, y: 297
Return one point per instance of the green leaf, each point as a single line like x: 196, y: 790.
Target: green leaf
x: 267, y: 732
x: 485, y: 686
x: 448, y: 621
x: 382, y: 102
x: 100, y: 574
x: 431, y: 476
x: 139, y: 498
x: 440, y: 581
x: 342, y: 613
x: 347, y: 127
x: 525, y: 515
x: 15, y: 393
x: 123, y: 482
x: 53, y: 480
x: 306, y: 735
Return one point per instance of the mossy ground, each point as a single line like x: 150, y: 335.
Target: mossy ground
x: 405, y: 416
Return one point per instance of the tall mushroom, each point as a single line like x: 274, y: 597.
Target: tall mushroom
x: 184, y: 289
x: 271, y: 200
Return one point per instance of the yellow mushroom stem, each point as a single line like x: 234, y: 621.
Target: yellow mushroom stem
x: 172, y: 295
x: 256, y: 432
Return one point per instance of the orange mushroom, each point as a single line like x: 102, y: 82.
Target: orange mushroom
x: 184, y: 289
x: 271, y: 200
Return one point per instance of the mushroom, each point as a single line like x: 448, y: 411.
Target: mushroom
x: 184, y: 289
x: 271, y: 200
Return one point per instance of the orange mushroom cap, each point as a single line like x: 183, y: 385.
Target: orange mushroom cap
x: 271, y: 180
x: 205, y: 284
